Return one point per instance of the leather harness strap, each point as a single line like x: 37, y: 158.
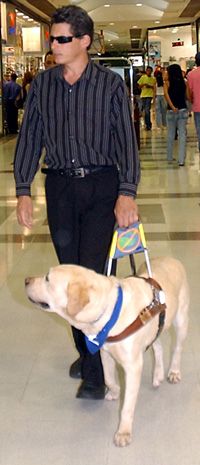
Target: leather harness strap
x: 156, y: 307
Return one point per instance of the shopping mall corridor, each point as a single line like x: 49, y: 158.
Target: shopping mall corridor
x: 41, y: 421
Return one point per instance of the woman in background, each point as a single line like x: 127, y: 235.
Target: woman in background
x: 28, y: 77
x: 176, y: 94
x: 161, y: 108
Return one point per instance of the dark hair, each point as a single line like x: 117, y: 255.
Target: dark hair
x: 176, y: 79
x: 79, y: 20
x: 149, y: 67
x: 47, y: 54
x: 175, y: 73
x: 197, y: 58
x: 13, y: 76
x: 159, y: 79
x: 28, y: 77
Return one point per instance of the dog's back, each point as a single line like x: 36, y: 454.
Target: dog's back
x: 171, y: 275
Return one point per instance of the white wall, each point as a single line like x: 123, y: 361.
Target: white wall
x: 166, y: 37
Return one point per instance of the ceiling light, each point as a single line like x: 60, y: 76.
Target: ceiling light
x: 25, y: 17
x: 134, y: 27
x: 20, y: 14
x: 157, y: 21
x: 112, y: 24
x: 138, y: 4
x: 30, y: 19
x: 175, y: 30
x: 107, y: 5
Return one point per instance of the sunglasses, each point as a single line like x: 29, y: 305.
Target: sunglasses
x: 63, y: 39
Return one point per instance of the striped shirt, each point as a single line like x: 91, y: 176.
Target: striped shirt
x: 85, y: 124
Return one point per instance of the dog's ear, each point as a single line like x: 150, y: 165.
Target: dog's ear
x: 77, y: 297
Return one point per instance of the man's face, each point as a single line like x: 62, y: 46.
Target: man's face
x: 67, y: 53
x: 49, y: 62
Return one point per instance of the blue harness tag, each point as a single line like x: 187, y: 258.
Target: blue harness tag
x: 96, y: 341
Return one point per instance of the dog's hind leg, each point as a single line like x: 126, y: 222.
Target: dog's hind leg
x: 181, y: 326
x: 158, y: 373
x: 110, y: 376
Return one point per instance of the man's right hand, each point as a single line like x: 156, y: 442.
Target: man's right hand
x: 25, y: 211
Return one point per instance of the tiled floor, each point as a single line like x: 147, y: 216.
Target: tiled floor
x: 41, y: 421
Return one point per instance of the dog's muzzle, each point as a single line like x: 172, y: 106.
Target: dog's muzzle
x: 42, y: 305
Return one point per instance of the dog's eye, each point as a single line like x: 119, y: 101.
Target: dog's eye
x: 47, y: 278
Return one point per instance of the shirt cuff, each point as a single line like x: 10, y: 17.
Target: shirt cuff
x: 23, y: 189
x: 128, y: 189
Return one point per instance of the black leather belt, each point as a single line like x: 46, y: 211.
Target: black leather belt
x: 75, y: 172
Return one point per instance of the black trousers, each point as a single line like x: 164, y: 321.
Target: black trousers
x: 81, y: 218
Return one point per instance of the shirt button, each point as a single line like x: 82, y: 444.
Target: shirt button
x: 70, y: 90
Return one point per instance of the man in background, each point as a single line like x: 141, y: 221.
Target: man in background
x: 193, y: 79
x: 147, y: 84
x: 12, y: 92
x: 49, y: 61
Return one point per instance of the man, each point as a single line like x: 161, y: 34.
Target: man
x: 49, y: 61
x: 80, y: 112
x: 12, y: 92
x: 193, y: 79
x: 147, y: 84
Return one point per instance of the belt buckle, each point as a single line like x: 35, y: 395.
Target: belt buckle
x: 79, y: 173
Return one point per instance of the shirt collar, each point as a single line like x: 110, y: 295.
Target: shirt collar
x: 89, y: 72
x: 95, y: 341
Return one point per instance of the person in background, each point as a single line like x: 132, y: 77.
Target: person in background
x: 176, y: 93
x: 193, y: 79
x: 49, y: 60
x: 79, y: 111
x: 12, y: 92
x: 189, y: 103
x: 27, y: 79
x: 160, y: 107
x: 147, y: 84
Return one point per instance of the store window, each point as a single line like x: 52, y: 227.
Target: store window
x: 175, y: 44
x: 24, y: 42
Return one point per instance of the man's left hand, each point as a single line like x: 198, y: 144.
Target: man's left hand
x: 126, y: 211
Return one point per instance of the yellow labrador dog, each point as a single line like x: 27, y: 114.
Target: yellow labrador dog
x: 88, y: 301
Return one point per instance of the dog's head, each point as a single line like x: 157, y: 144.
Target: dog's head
x: 75, y: 293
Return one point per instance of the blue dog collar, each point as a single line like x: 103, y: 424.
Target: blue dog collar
x: 95, y: 341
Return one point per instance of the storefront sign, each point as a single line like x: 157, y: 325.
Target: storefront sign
x: 11, y: 22
x: 178, y: 43
x: 11, y: 25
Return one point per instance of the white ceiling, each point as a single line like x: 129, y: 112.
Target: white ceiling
x: 120, y: 16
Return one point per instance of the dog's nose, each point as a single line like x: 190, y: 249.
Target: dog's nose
x: 27, y: 281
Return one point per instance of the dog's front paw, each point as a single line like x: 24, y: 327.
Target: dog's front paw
x: 122, y: 439
x: 174, y: 377
x: 113, y: 394
x: 158, y: 378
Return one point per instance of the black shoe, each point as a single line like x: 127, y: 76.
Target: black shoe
x: 88, y: 390
x: 75, y: 370
x: 181, y: 164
